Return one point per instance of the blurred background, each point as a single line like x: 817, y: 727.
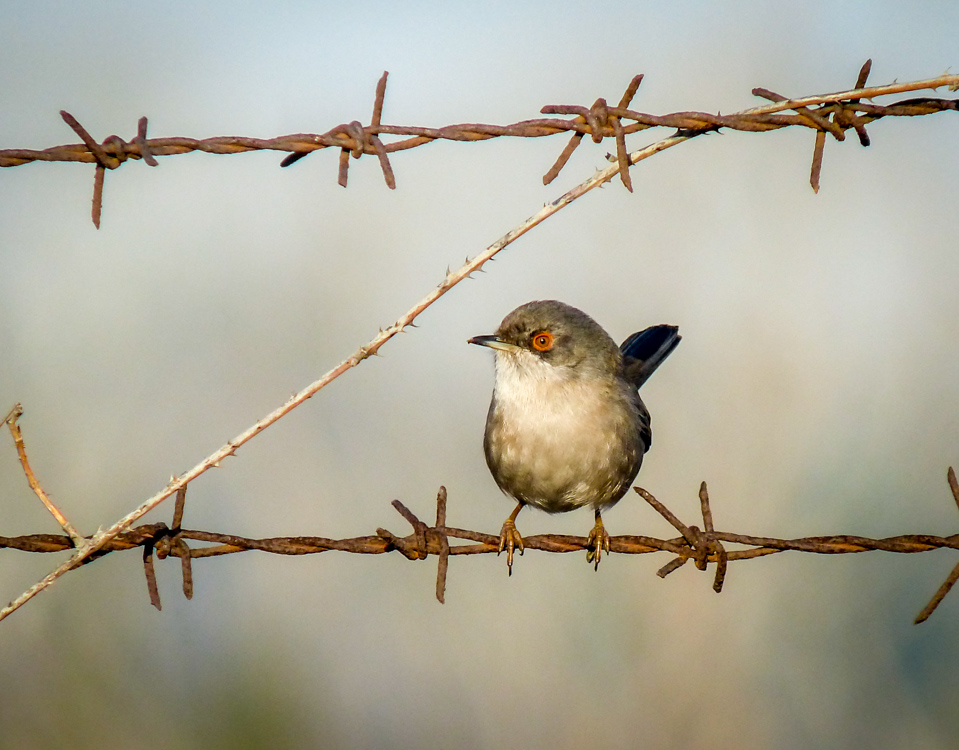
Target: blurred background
x: 816, y: 388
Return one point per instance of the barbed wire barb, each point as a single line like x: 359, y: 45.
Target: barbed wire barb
x: 954, y: 575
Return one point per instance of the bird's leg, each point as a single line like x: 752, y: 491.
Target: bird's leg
x: 509, y: 537
x: 596, y: 542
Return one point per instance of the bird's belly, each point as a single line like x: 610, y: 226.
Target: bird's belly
x: 563, y: 454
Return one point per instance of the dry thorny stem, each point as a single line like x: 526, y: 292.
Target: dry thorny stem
x: 834, y: 113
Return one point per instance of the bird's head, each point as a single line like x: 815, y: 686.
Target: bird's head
x: 553, y: 334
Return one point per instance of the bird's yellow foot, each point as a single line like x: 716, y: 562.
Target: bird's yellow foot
x: 509, y: 538
x: 596, y: 543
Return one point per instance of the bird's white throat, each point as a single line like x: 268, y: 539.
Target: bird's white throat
x: 550, y: 406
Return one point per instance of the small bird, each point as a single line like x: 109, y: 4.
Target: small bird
x: 566, y: 426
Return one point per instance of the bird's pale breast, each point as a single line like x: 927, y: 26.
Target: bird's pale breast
x: 560, y: 441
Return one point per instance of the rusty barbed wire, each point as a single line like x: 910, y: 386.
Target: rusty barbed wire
x: 833, y: 114
x: 703, y: 546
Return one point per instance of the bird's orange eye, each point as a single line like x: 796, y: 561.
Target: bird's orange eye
x: 543, y: 341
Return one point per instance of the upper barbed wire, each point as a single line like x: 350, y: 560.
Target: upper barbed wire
x: 833, y: 114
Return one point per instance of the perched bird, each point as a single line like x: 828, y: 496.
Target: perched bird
x: 566, y: 426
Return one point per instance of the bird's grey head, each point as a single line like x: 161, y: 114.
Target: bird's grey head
x: 548, y: 332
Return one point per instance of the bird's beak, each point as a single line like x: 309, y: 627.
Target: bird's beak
x: 494, y: 342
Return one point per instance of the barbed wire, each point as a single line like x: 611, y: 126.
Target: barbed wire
x: 829, y: 113
x: 702, y: 546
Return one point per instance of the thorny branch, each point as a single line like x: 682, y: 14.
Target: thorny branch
x: 11, y: 422
x: 599, y: 121
x: 833, y: 114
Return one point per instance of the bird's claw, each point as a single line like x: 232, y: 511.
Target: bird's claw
x: 509, y: 539
x: 596, y: 543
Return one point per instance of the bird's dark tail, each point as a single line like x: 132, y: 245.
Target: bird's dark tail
x: 644, y: 351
